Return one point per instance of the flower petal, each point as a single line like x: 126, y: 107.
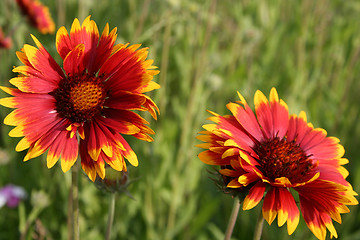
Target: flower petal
x: 263, y: 113
x: 125, y: 100
x: 63, y: 42
x: 287, y: 211
x: 270, y: 206
x: 33, y: 84
x: 279, y: 201
x: 128, y: 153
x: 255, y: 195
x: 125, y: 71
x: 88, y: 165
x: 280, y: 114
x: 212, y: 158
x: 103, y: 50
x: 42, y: 61
x: 247, y: 120
x: 73, y: 62
x: 248, y: 178
x: 315, y: 220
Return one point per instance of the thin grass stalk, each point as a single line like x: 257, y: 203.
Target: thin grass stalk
x: 188, y: 121
x: 187, y: 124
x: 349, y: 76
x: 8, y: 11
x: 70, y: 218
x: 75, y: 200
x: 4, y: 55
x: 232, y: 220
x: 165, y: 62
x: 61, y: 12
x: 83, y: 9
x: 31, y: 218
x: 111, y: 215
x: 143, y: 16
x: 259, y: 226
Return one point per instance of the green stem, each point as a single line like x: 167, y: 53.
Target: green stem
x: 30, y: 220
x: 83, y: 9
x: 110, y: 216
x: 232, y: 219
x: 61, y: 12
x: 259, y: 227
x: 165, y: 61
x: 75, y: 200
x: 70, y: 218
x: 188, y: 121
x: 142, y: 18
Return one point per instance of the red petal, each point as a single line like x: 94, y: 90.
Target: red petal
x: 96, y: 140
x: 86, y: 34
x: 124, y: 70
x: 35, y: 129
x: 116, y: 161
x: 127, y: 119
x: 246, y: 119
x: 264, y: 114
x: 33, y: 84
x: 128, y: 153
x: 332, y: 174
x: 104, y: 48
x: 68, y: 147
x: 280, y: 114
x: 270, y: 205
x: 248, y: 178
x: 74, y: 61
x: 33, y: 108
x: 287, y: 211
x: 229, y: 173
x: 118, y: 126
x: 297, y: 129
x: 326, y: 149
x: 125, y: 100
x: 87, y: 163
x: 63, y: 43
x: 151, y: 107
x: 211, y: 158
x: 255, y: 195
x: 41, y: 60
x: 316, y: 220
x: 279, y: 201
x: 234, y: 130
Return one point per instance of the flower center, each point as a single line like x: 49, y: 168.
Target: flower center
x: 80, y: 97
x: 279, y: 158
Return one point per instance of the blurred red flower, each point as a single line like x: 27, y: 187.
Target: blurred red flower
x: 38, y: 15
x: 5, y: 42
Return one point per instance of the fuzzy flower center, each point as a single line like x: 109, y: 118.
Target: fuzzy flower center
x: 279, y: 158
x: 80, y: 97
x: 86, y: 96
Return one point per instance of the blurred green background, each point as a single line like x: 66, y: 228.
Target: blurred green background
x: 206, y: 50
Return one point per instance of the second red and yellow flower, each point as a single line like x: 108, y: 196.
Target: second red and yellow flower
x: 278, y: 157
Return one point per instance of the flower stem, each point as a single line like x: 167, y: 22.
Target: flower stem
x: 75, y: 200
x: 232, y: 219
x: 61, y: 12
x: 110, y: 216
x: 259, y: 227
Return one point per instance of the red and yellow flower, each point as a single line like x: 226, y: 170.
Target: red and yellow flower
x: 85, y: 107
x: 38, y: 15
x: 277, y: 157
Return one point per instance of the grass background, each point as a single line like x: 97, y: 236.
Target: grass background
x: 206, y: 51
